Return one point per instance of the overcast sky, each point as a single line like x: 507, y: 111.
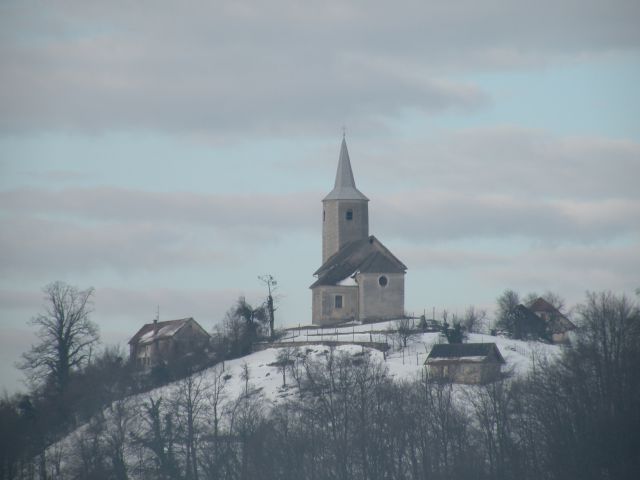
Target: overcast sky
x: 168, y: 153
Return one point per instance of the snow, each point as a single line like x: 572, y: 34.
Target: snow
x: 470, y: 359
x: 265, y: 378
x: 165, y: 331
x: 348, y: 282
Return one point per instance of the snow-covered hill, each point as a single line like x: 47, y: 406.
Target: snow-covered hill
x: 259, y: 376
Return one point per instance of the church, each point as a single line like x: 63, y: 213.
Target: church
x: 360, y: 279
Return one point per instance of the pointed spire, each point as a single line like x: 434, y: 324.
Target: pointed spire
x: 344, y: 175
x: 345, y: 186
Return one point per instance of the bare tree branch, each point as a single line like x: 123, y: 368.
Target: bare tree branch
x: 66, y: 335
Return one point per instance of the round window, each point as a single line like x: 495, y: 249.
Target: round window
x: 382, y: 281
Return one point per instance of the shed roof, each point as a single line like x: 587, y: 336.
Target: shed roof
x: 464, y: 352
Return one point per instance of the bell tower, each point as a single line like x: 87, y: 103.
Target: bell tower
x: 345, y: 210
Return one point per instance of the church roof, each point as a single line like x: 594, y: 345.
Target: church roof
x: 366, y: 256
x: 345, y: 185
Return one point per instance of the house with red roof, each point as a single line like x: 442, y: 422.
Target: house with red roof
x: 557, y: 325
x: 159, y: 342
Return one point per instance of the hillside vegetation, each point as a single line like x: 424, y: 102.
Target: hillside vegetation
x: 350, y: 412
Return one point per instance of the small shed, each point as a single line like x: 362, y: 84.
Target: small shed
x: 469, y: 363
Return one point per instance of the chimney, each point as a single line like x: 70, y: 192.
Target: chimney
x: 155, y: 322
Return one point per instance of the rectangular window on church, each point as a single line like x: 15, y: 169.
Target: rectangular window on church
x: 338, y: 302
x: 349, y: 214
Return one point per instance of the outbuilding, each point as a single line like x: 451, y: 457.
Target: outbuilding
x: 469, y: 363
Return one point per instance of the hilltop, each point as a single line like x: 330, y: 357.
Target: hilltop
x: 257, y: 380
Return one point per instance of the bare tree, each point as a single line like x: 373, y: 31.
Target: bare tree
x: 271, y: 284
x: 404, y: 331
x: 216, y: 395
x: 474, y: 319
x: 506, y: 313
x: 285, y: 359
x: 116, y: 437
x: 492, y: 408
x: 246, y: 376
x: 66, y: 335
x: 190, y: 406
x: 157, y: 435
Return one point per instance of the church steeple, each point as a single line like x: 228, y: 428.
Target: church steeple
x: 345, y: 214
x: 344, y: 187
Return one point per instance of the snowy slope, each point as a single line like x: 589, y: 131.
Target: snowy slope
x: 265, y: 378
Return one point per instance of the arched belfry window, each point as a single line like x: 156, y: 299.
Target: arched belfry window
x: 349, y: 215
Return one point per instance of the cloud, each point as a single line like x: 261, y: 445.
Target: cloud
x: 507, y: 159
x: 121, y: 311
x: 429, y: 258
x: 37, y: 245
x: 128, y: 205
x: 82, y: 229
x: 56, y: 176
x: 281, y: 67
x: 207, y: 304
x: 571, y: 270
x: 452, y: 277
x: 436, y: 215
x: 124, y: 230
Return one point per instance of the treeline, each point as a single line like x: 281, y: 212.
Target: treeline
x: 573, y: 417
x: 72, y: 379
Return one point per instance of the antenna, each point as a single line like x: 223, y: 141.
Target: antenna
x: 344, y: 131
x: 158, y: 313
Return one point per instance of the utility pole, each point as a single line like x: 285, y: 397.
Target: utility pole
x: 271, y: 284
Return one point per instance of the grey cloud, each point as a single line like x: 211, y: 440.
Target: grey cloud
x: 568, y: 270
x: 432, y: 216
x: 427, y: 258
x: 511, y: 160
x: 271, y: 211
x: 56, y: 175
x: 75, y: 228
x: 84, y: 229
x: 276, y: 67
x: 118, y: 312
x: 139, y: 305
x: 571, y: 271
x: 20, y: 299
x: 35, y: 245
